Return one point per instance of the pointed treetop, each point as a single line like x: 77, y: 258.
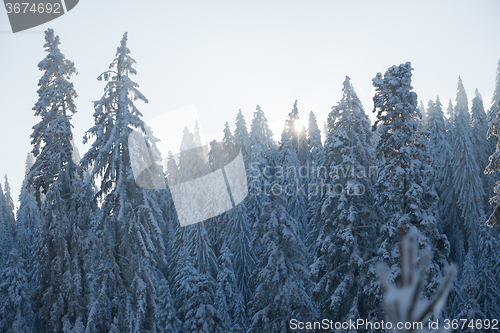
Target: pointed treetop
x: 462, y: 103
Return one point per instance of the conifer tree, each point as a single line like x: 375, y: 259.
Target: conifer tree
x: 281, y: 277
x: 260, y: 159
x: 8, y: 199
x: 403, y: 188
x: 228, y: 296
x: 132, y: 243
x: 16, y: 314
x: 67, y: 211
x: 241, y: 134
x: 467, y: 182
x: 345, y: 242
x: 291, y: 185
x: 239, y: 237
x: 479, y: 125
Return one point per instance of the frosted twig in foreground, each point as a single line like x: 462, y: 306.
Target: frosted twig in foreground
x: 404, y: 304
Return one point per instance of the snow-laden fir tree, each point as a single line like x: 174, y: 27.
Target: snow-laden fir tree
x: 129, y: 225
x: 450, y: 111
x: 403, y: 188
x: 494, y: 166
x: 493, y: 110
x: 314, y: 141
x: 67, y: 211
x: 6, y: 229
x: 292, y: 126
x: 56, y: 96
x: 16, y: 314
x: 489, y: 268
x: 423, y: 114
x: 261, y: 149
x: 241, y: 134
x: 8, y: 199
x: 316, y: 154
x: 229, y: 299
x: 195, y: 299
x: 467, y: 182
x: 469, y: 291
x: 443, y: 164
x: 166, y: 316
x: 28, y: 229
x: 479, y: 125
x: 228, y: 136
x: 28, y: 224
x: 291, y: 186
x: 281, y: 277
x: 239, y: 236
x: 346, y: 237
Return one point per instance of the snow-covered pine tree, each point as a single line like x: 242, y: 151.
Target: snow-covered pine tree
x: 314, y: 141
x: 489, y: 268
x: 423, y: 114
x: 241, y: 134
x: 16, y: 313
x: 195, y: 299
x: 6, y: 229
x: 494, y: 159
x: 28, y: 228
x: 469, y: 291
x: 291, y: 186
x: 303, y: 152
x: 403, y: 188
x: 346, y: 238
x: 316, y: 160
x: 258, y: 161
x: 493, y: 111
x: 132, y: 243
x: 228, y: 136
x: 292, y: 126
x: 239, y: 237
x: 450, y: 111
x: 467, y: 182
x: 281, y: 277
x: 8, y: 199
x: 166, y: 316
x: 200, y: 249
x: 56, y: 93
x: 479, y: 125
x: 67, y: 211
x: 229, y: 299
x: 439, y: 146
x: 28, y: 219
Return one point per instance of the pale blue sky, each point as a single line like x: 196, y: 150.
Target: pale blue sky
x: 226, y: 55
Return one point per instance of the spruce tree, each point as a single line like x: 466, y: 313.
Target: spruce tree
x: 281, y: 278
x: 228, y: 296
x: 67, y: 211
x: 403, y: 188
x: 345, y: 242
x: 241, y: 134
x: 129, y: 225
x: 16, y: 314
x: 467, y: 182
x: 479, y: 125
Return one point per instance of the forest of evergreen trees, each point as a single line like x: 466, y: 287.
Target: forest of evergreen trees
x: 318, y: 235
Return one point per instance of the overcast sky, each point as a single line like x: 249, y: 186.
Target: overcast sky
x: 226, y: 55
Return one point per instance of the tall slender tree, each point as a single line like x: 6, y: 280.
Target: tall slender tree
x: 403, y: 188
x: 346, y: 238
x: 281, y: 277
x: 67, y: 211
x: 132, y: 243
